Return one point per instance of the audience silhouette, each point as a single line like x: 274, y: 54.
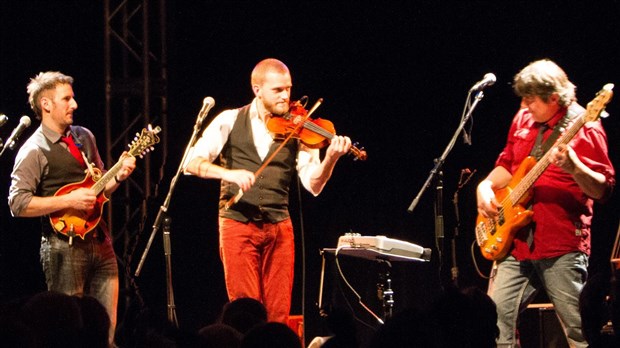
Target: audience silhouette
x: 51, y: 319
x: 456, y: 318
x: 271, y: 335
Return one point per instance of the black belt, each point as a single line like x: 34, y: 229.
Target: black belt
x: 93, y: 235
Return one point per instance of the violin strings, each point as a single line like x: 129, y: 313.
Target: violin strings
x: 313, y: 127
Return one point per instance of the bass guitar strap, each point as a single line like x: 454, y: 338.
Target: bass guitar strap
x: 539, y: 150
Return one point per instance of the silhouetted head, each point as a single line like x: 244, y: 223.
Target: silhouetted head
x: 220, y: 336
x: 243, y: 314
x: 271, y: 335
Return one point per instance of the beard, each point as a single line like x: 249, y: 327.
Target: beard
x: 277, y: 109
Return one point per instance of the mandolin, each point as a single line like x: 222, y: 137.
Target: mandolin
x: 74, y: 222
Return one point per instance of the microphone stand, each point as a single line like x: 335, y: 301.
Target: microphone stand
x: 3, y: 147
x: 163, y: 217
x: 438, y: 212
x: 454, y: 271
x: 436, y: 173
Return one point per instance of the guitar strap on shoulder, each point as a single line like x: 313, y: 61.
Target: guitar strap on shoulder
x: 539, y: 150
x: 78, y: 143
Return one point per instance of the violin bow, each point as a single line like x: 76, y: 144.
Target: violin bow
x: 233, y: 200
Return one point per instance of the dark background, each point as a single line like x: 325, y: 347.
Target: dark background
x: 394, y: 77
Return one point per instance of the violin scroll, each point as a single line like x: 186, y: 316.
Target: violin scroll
x: 359, y: 153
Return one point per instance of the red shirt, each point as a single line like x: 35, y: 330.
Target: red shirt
x: 562, y: 212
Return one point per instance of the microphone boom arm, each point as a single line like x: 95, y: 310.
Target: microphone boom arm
x: 439, y: 162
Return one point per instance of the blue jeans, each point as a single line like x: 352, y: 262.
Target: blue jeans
x: 516, y: 283
x: 88, y: 267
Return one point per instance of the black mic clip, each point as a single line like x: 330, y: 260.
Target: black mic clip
x: 466, y: 175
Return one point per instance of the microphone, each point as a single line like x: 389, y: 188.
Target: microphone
x: 3, y: 119
x: 488, y: 80
x: 24, y: 123
x: 207, y: 104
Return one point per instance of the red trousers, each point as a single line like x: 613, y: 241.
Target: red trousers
x: 259, y: 262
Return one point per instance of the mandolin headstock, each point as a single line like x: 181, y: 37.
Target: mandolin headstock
x: 143, y: 142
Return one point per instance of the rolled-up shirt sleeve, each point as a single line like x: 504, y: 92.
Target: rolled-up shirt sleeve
x: 307, y: 161
x: 213, y: 138
x: 30, y: 166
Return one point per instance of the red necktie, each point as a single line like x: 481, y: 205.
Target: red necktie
x: 73, y: 149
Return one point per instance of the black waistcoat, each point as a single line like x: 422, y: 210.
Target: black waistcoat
x: 63, y: 168
x: 268, y: 197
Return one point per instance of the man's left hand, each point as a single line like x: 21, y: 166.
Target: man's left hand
x: 340, y: 145
x: 127, y: 167
x: 564, y: 157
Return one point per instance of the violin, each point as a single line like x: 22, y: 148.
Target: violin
x: 314, y: 133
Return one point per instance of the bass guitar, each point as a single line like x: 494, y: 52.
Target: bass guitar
x: 74, y: 222
x: 495, y: 235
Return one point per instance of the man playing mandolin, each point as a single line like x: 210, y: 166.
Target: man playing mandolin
x: 551, y: 251
x: 256, y: 233
x: 57, y: 154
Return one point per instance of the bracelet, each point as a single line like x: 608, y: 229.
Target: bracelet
x: 116, y: 179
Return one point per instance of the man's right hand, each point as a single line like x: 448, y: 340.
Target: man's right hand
x: 243, y: 178
x: 487, y: 203
x: 81, y: 199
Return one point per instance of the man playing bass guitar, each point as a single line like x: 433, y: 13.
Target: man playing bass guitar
x: 57, y: 154
x: 551, y: 251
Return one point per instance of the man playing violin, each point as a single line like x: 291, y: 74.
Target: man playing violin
x: 256, y: 232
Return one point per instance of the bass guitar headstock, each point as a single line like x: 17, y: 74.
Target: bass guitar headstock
x: 596, y: 106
